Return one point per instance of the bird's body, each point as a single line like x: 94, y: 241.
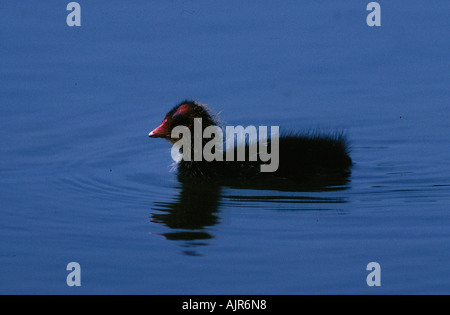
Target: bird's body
x: 301, y: 156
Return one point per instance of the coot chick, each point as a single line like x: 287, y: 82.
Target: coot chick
x: 302, y: 157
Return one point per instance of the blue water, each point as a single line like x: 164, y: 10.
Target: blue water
x: 81, y: 182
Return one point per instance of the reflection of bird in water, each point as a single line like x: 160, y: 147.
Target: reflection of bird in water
x: 195, y: 209
x: 191, y: 211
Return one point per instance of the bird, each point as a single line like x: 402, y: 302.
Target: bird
x: 301, y: 156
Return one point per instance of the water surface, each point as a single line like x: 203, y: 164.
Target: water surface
x: 80, y: 181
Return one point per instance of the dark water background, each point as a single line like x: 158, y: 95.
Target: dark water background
x: 80, y: 181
